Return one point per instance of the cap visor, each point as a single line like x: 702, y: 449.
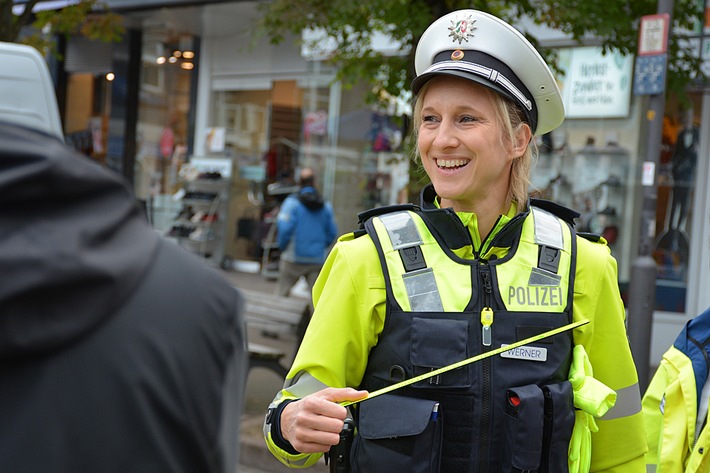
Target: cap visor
x: 419, y: 82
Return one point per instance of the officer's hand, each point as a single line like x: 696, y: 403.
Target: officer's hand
x: 313, y: 424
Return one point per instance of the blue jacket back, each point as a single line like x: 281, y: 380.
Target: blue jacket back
x: 306, y: 227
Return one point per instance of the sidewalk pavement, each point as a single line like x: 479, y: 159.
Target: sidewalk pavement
x: 262, y: 385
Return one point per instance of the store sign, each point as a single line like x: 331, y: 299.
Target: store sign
x: 651, y: 63
x: 650, y: 74
x: 653, y: 34
x: 595, y: 85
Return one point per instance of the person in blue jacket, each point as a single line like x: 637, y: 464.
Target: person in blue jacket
x: 306, y: 229
x: 675, y: 405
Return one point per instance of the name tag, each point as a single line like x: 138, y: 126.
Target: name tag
x: 525, y: 353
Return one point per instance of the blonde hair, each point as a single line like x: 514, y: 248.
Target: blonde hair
x: 511, y: 119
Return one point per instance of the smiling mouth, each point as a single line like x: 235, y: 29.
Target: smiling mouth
x: 451, y: 163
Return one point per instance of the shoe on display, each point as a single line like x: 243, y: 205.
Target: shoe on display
x: 202, y: 234
x: 186, y: 213
x: 210, y: 175
x: 199, y: 215
x: 179, y: 195
x: 180, y: 231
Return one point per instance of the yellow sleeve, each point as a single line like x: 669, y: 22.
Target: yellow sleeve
x: 620, y: 443
x: 653, y: 415
x: 670, y: 414
x: 348, y: 316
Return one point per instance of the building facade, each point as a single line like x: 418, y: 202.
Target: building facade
x: 193, y: 82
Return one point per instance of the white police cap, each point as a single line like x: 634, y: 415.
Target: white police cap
x: 482, y: 48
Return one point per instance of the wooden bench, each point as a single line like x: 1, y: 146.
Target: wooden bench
x: 267, y: 357
x: 275, y: 316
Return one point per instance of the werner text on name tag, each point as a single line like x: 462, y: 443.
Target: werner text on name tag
x: 525, y: 353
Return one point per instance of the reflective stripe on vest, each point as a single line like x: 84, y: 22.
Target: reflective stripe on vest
x: 419, y: 281
x: 548, y: 236
x: 530, y: 282
x: 538, y: 280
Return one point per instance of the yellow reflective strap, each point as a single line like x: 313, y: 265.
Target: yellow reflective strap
x: 401, y: 229
x: 548, y: 229
x: 422, y: 291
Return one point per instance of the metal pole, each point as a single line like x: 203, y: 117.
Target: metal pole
x: 642, y: 290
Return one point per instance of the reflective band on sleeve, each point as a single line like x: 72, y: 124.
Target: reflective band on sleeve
x: 422, y: 291
x: 302, y: 385
x: 628, y: 403
x: 548, y: 229
x: 401, y: 229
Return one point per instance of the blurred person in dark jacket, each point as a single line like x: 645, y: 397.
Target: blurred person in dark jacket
x: 119, y: 351
x: 306, y: 229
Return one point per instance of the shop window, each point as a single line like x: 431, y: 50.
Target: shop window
x: 674, y: 217
x: 587, y: 164
x: 162, y: 135
x: 88, y: 65
x: 588, y: 170
x: 271, y: 132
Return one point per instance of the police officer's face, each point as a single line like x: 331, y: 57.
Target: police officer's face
x: 462, y: 147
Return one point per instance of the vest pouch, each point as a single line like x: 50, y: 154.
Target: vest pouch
x: 397, y: 434
x: 524, y: 421
x: 438, y: 342
x: 559, y: 422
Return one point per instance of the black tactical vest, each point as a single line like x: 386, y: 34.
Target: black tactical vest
x: 508, y: 413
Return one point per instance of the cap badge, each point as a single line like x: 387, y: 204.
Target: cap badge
x: 457, y: 55
x: 461, y: 30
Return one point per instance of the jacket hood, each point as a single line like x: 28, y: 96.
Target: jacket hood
x: 74, y: 243
x: 692, y: 341
x: 310, y: 197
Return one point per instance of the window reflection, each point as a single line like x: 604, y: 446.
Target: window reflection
x: 678, y: 161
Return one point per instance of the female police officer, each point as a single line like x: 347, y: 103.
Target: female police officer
x: 475, y: 267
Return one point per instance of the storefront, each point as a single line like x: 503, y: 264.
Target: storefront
x: 594, y: 164
x: 129, y: 105
x: 193, y: 82
x: 273, y: 110
x: 588, y: 163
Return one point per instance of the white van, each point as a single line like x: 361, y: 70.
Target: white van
x: 27, y: 95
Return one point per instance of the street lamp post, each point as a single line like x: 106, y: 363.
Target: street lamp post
x: 642, y: 288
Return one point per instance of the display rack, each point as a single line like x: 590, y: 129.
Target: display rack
x: 200, y: 225
x: 269, y: 246
x: 593, y: 181
x: 270, y: 250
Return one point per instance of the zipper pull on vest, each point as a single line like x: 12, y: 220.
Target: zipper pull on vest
x: 486, y: 321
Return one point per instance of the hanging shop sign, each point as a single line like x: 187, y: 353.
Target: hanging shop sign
x: 595, y: 85
x: 651, y: 64
x: 653, y: 34
x: 650, y: 74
